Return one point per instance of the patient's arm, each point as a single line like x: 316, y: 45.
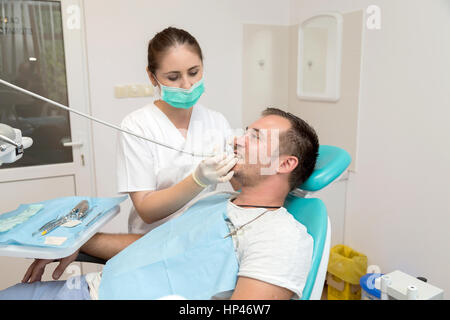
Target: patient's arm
x: 101, y: 245
x: 252, y: 289
x: 107, y: 245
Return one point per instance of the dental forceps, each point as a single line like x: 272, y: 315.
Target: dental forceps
x: 79, y: 212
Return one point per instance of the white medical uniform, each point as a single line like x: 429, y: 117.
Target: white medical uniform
x: 142, y: 165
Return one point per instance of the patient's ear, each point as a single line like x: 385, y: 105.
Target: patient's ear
x: 287, y: 164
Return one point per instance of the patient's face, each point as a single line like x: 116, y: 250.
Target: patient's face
x: 257, y: 149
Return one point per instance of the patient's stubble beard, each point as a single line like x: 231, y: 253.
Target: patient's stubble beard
x: 248, y: 175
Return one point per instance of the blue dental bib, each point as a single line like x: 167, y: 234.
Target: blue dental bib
x: 186, y: 256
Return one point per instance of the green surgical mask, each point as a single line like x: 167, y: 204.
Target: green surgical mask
x: 182, y: 98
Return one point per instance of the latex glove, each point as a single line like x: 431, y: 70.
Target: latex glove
x: 229, y: 144
x: 215, y: 170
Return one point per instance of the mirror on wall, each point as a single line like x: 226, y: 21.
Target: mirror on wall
x: 319, y: 57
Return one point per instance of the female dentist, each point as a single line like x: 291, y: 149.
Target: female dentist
x: 161, y: 181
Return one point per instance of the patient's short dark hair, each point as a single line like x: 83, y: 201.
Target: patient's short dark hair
x: 300, y: 141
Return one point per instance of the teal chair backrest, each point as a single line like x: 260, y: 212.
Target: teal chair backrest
x: 312, y: 213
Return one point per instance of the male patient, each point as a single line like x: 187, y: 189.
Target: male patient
x: 273, y: 250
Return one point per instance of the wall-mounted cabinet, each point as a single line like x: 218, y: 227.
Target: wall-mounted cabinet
x: 320, y: 57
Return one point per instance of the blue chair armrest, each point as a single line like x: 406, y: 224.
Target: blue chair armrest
x: 83, y: 257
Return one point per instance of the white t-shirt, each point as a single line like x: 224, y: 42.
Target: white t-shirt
x: 142, y: 165
x: 275, y: 248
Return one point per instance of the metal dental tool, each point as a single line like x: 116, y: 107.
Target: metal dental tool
x: 94, y: 218
x: 77, y: 213
x: 235, y: 231
x: 84, y: 214
x: 59, y: 105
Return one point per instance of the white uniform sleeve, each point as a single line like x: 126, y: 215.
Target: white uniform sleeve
x: 228, y: 132
x: 280, y: 255
x: 135, y: 164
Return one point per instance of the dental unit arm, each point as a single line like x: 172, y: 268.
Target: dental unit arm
x: 61, y: 106
x: 12, y: 144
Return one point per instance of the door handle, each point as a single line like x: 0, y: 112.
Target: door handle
x: 73, y: 144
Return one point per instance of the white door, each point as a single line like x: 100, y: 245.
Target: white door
x: 42, y: 49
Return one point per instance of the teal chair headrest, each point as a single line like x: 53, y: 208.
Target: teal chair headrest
x: 331, y: 163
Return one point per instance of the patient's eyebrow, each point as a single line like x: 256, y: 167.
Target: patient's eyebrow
x: 255, y: 130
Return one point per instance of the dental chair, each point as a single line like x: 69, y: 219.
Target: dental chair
x: 311, y: 212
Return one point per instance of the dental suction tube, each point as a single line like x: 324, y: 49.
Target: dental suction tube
x: 59, y: 105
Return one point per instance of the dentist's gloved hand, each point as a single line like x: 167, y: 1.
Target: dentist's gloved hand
x: 229, y: 144
x: 215, y: 170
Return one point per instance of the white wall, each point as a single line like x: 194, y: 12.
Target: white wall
x: 273, y: 84
x: 264, y: 70
x: 118, y: 32
x: 334, y: 122
x: 398, y: 211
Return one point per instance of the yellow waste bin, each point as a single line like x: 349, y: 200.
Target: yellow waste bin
x: 345, y: 267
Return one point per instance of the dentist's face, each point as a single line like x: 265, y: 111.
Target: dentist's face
x: 257, y: 149
x: 179, y: 67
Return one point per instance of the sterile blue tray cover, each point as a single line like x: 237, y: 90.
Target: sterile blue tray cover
x: 22, y: 233
x: 186, y: 256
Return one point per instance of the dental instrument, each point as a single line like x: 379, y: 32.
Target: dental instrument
x: 48, y: 224
x: 84, y: 214
x: 97, y: 215
x: 90, y: 221
x: 12, y: 86
x: 76, y: 213
x: 54, y: 226
x: 235, y: 231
